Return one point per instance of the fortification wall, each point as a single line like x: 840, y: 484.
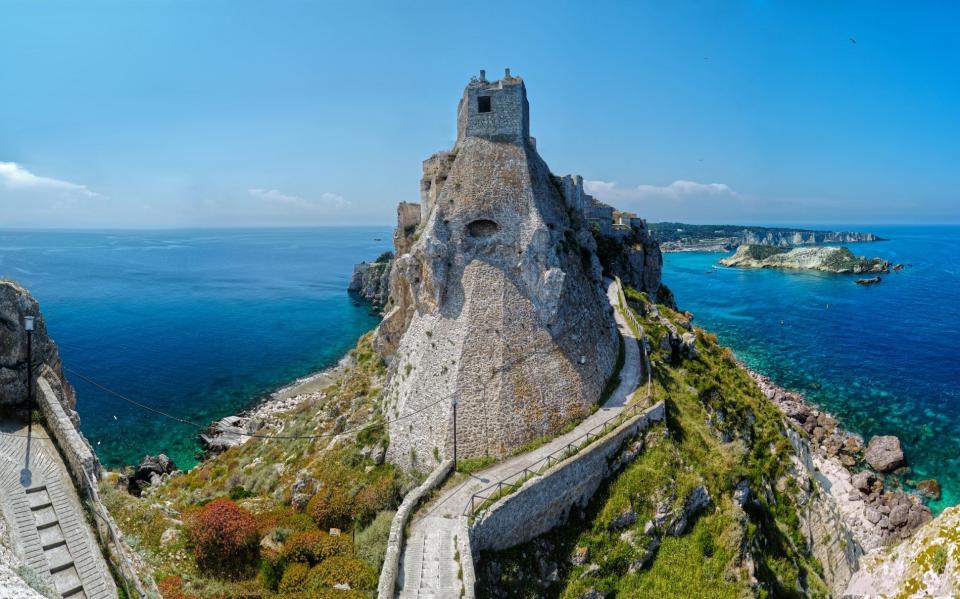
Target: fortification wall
x: 545, y: 501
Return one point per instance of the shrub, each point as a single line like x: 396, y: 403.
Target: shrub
x: 315, y: 546
x: 294, y: 578
x: 224, y: 537
x: 331, y: 507
x: 371, y: 543
x: 171, y: 587
x: 342, y: 570
x: 271, y: 571
x: 378, y: 495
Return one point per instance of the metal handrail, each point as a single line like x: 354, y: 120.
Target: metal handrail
x: 538, y: 467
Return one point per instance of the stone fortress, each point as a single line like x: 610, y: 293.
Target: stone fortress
x: 496, y: 296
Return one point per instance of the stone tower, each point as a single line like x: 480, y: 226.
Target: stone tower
x: 495, y: 296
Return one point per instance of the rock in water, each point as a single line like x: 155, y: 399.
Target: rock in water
x: 929, y: 488
x: 496, y: 291
x: 884, y: 454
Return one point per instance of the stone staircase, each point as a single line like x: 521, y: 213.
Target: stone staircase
x: 433, y: 569
x: 48, y: 520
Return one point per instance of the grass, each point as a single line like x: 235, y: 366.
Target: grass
x: 686, y: 453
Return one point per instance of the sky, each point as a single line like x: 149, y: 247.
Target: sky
x: 225, y: 113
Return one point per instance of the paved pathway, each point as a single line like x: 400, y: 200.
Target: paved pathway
x: 428, y: 569
x: 46, y: 518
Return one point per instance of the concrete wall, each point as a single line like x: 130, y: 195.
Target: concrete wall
x: 544, y: 502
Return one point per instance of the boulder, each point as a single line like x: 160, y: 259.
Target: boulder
x: 688, y: 342
x: 929, y: 488
x: 152, y: 468
x: 863, y: 481
x: 624, y: 520
x: 884, y: 453
x: 698, y: 499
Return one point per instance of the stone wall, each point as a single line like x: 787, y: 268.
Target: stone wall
x: 82, y: 462
x: 508, y: 118
x: 391, y: 563
x: 545, y: 501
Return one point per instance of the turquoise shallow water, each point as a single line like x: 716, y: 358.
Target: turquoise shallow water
x: 196, y: 323
x: 883, y: 358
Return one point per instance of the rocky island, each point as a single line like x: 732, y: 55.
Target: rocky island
x: 825, y: 259
x: 683, y: 237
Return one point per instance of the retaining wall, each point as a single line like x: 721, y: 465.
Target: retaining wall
x: 544, y: 501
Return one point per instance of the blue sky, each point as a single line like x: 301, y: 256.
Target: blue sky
x: 169, y: 113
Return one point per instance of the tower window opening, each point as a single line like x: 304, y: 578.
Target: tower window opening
x: 483, y: 103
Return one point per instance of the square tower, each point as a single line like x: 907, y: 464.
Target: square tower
x: 495, y: 110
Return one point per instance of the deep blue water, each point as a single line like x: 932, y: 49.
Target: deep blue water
x: 883, y: 358
x: 196, y: 323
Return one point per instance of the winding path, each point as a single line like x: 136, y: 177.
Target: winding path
x: 430, y: 566
x: 46, y: 518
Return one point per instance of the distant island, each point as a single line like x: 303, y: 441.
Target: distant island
x: 826, y: 259
x: 680, y: 237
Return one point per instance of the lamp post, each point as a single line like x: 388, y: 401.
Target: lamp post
x: 454, y: 434
x: 28, y: 327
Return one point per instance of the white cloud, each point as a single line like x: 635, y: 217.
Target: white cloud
x: 15, y: 177
x: 685, y: 201
x: 678, y: 190
x: 277, y: 198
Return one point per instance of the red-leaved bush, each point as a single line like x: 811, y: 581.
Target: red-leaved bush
x: 224, y: 538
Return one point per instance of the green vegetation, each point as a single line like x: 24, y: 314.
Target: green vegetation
x: 762, y: 252
x: 258, y: 539
x: 720, y: 431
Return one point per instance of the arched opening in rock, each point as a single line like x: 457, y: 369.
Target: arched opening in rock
x: 482, y: 228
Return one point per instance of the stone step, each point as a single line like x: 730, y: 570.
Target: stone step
x: 67, y: 581
x: 44, y: 515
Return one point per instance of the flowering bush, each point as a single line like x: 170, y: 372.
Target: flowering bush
x: 342, y: 570
x: 331, y: 506
x: 312, y: 547
x: 294, y: 578
x: 224, y: 538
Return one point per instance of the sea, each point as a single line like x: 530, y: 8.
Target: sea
x: 201, y: 324
x: 883, y: 358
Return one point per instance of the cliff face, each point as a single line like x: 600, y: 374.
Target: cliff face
x: 371, y: 280
x: 926, y: 565
x: 678, y: 237
x: 16, y: 303
x: 826, y: 259
x: 495, y: 296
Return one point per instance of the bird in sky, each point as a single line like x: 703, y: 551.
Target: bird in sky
x: 853, y: 41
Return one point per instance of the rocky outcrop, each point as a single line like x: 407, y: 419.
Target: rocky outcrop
x: 868, y: 281
x: 925, y: 565
x: 634, y: 257
x: 884, y: 454
x: 496, y: 295
x: 826, y: 259
x: 874, y: 514
x: 371, y: 280
x: 15, y: 304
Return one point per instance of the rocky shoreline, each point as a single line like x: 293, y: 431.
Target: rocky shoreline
x: 234, y: 430
x: 854, y: 474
